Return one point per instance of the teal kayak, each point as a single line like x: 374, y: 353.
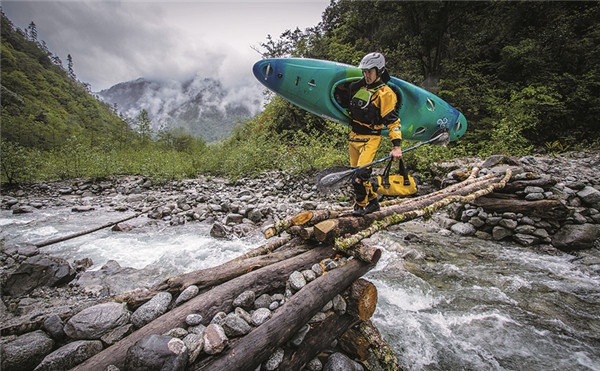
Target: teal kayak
x: 323, y: 88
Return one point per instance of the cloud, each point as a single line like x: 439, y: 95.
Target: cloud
x: 116, y: 41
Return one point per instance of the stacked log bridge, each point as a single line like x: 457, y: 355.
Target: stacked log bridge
x: 256, y: 347
x: 330, y: 229
x: 301, y: 223
x: 219, y: 299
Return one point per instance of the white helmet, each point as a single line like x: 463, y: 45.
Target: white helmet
x: 372, y: 60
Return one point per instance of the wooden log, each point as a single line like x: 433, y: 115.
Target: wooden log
x: 333, y: 228
x: 83, y: 233
x: 209, y: 277
x: 545, y: 181
x: 552, y: 209
x: 256, y: 347
x: 220, y: 298
x: 320, y: 336
x: 364, y: 252
x: 382, y: 350
x: 312, y: 217
x: 343, y: 244
x: 307, y: 233
x: 360, y: 295
x: 362, y: 299
x: 355, y: 344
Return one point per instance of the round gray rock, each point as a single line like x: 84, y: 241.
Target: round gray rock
x: 26, y: 351
x: 154, y: 308
x: 157, y: 352
x: 91, y: 323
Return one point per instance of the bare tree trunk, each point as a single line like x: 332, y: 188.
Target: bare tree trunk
x: 218, y: 299
x: 256, y: 347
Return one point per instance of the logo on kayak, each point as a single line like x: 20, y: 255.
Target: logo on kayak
x: 443, y: 122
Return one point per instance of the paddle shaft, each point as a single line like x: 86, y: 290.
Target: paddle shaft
x: 404, y: 151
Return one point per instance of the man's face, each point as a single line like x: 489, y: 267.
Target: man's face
x: 370, y: 75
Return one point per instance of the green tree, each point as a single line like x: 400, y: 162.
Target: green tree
x: 144, y: 127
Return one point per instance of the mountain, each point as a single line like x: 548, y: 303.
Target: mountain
x: 43, y: 104
x: 202, y: 106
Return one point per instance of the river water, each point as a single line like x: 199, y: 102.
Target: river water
x: 445, y: 302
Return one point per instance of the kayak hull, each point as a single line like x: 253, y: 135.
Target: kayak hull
x: 322, y: 88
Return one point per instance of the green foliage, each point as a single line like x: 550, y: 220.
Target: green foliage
x: 42, y: 104
x: 18, y: 163
x: 525, y: 74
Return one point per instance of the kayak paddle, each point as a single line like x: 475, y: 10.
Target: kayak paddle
x: 330, y: 180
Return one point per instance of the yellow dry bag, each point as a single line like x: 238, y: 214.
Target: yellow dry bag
x: 400, y: 184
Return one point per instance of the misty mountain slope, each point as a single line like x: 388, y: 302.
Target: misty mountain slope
x: 200, y: 105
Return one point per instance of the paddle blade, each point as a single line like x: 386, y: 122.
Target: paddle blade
x: 332, y: 180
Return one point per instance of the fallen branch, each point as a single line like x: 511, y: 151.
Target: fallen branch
x: 83, y: 233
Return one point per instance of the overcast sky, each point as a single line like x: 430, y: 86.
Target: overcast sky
x: 117, y: 41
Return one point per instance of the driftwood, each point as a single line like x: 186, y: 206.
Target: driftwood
x: 256, y: 347
x: 83, y: 233
x: 542, y: 208
x: 218, y: 299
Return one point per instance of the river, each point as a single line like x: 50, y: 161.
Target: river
x: 445, y: 302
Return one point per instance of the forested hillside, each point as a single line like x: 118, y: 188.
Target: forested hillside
x: 523, y: 73
x: 43, y: 104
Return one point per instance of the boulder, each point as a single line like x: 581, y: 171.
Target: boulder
x: 154, y: 308
x: 26, y: 351
x: 244, y: 300
x: 341, y: 362
x: 70, y: 355
x: 576, y: 236
x: 589, y: 195
x: 214, y: 339
x: 274, y: 360
x: 499, y: 233
x: 157, y: 352
x: 195, y: 344
x: 187, y: 294
x: 219, y: 230
x: 39, y: 270
x: 260, y: 316
x: 234, y: 326
x: 93, y: 322
x: 54, y: 325
x: 463, y: 229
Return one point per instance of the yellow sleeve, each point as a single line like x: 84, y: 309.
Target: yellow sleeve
x: 389, y: 114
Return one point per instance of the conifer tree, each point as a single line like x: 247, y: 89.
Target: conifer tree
x: 32, y: 31
x: 70, y: 67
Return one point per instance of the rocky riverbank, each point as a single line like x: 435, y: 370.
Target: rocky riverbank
x: 559, y: 199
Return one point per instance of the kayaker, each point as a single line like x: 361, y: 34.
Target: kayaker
x: 372, y: 107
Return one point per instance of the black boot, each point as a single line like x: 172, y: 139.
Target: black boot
x: 372, y: 206
x: 358, y: 210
